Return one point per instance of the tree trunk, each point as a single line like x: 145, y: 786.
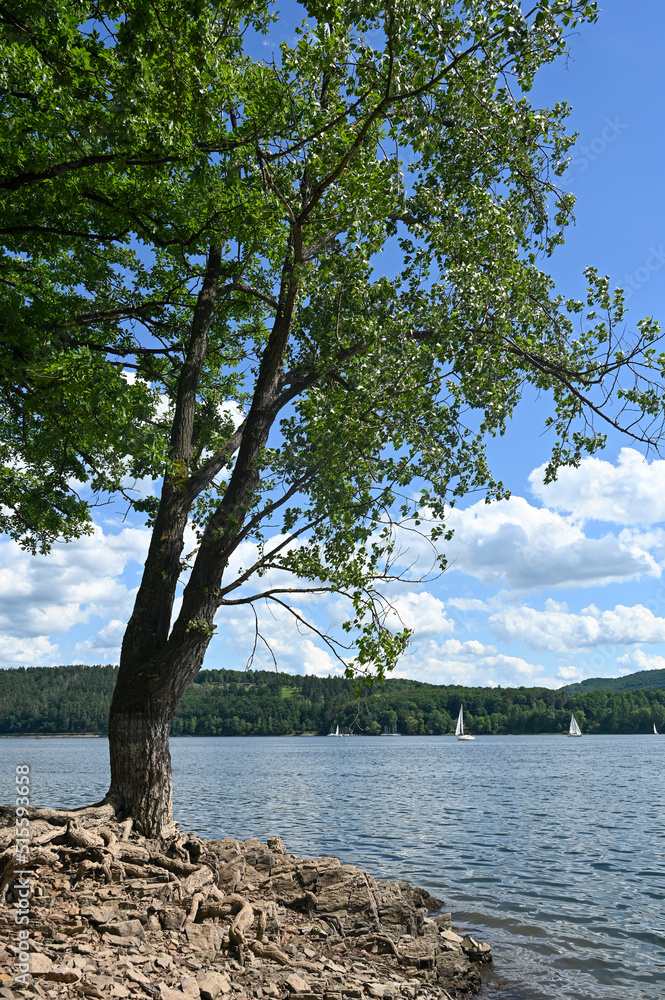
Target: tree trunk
x: 141, y: 779
x: 142, y: 710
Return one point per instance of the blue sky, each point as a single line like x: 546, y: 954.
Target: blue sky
x: 560, y: 582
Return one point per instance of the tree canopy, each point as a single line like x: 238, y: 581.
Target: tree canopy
x: 193, y: 290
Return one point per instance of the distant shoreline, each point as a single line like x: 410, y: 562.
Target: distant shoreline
x: 281, y: 736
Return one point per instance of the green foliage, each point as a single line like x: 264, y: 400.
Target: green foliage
x: 183, y: 226
x: 76, y: 699
x: 631, y: 682
x: 68, y: 699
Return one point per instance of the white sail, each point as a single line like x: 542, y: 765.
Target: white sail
x: 337, y: 731
x: 574, y: 728
x: 655, y: 731
x: 459, y: 729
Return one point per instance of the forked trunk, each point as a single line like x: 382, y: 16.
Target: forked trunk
x: 158, y: 663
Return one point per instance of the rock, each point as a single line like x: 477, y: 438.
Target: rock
x: 60, y: 974
x: 477, y: 951
x: 212, y: 984
x: 167, y: 993
x: 204, y: 937
x: 172, y: 919
x: 443, y: 921
x: 296, y: 984
x: 39, y: 963
x: 137, y: 977
x: 130, y: 916
x: 451, y: 937
x: 124, y: 928
x: 276, y: 845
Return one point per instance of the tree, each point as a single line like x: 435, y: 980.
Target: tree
x: 192, y: 291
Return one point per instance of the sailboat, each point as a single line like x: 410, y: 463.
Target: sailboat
x: 459, y: 728
x: 574, y: 728
x: 336, y: 733
x: 655, y: 731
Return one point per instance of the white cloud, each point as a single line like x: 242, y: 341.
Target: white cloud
x: 637, y: 659
x: 41, y: 595
x: 468, y: 604
x: 319, y: 661
x: 557, y: 630
x: 21, y: 652
x: 569, y: 674
x: 470, y: 662
x: 630, y: 492
x: 106, y: 645
x: 517, y: 545
x: 421, y: 612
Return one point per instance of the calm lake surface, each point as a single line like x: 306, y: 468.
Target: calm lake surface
x: 551, y: 849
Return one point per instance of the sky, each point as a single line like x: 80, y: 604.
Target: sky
x: 558, y: 583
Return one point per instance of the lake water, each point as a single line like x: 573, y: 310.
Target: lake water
x: 551, y: 849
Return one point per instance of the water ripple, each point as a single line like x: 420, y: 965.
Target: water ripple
x: 553, y: 850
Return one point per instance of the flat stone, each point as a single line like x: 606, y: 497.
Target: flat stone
x: 212, y: 984
x: 119, y: 942
x: 172, y: 919
x: 167, y: 993
x: 98, y: 914
x: 118, y: 990
x: 189, y: 986
x: 204, y: 937
x: 451, y: 937
x: 62, y: 975
x: 296, y: 984
x: 124, y: 928
x: 40, y: 963
x: 137, y: 977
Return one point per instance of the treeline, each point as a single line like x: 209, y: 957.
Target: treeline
x: 631, y: 682
x: 76, y: 699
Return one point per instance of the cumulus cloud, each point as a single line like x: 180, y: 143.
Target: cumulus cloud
x: 421, y: 612
x: 106, y: 644
x: 517, y: 545
x: 630, y: 492
x: 557, y: 630
x: 319, y: 661
x: 33, y: 652
x: 569, y: 674
x: 41, y: 595
x: 637, y: 659
x: 470, y: 662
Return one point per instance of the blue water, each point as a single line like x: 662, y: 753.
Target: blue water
x: 551, y: 849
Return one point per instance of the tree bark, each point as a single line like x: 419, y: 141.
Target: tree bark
x: 144, y: 702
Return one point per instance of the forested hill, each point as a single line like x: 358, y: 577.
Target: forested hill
x: 631, y: 682
x: 76, y: 699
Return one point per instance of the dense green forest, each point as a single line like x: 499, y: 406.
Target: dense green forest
x: 75, y: 699
x: 631, y: 682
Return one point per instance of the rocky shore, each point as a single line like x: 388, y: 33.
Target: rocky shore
x: 112, y: 914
